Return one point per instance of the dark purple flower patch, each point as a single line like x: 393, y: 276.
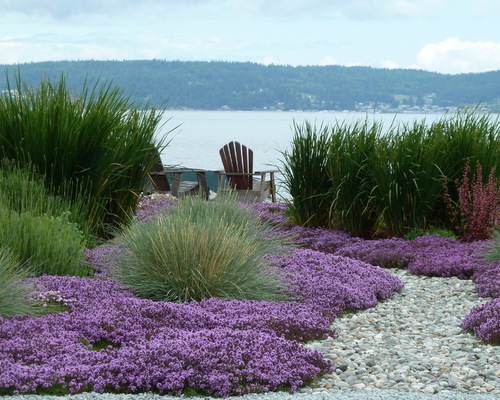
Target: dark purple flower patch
x: 290, y: 320
x: 444, y: 257
x: 334, y: 284
x: 487, y: 280
x: 217, y: 347
x: 387, y: 253
x: 320, y: 239
x: 484, y: 320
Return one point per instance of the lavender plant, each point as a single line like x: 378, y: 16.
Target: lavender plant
x: 215, y: 347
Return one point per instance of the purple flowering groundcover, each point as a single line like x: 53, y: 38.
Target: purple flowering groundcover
x: 111, y: 341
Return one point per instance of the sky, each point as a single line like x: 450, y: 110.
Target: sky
x: 446, y: 36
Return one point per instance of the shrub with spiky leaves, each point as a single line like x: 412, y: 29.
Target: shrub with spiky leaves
x: 199, y: 250
x: 95, y: 143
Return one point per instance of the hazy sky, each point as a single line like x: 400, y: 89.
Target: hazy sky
x: 449, y: 36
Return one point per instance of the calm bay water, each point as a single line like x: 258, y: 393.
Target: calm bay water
x: 196, y: 143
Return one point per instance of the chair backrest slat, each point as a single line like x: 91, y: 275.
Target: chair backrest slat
x: 237, y: 158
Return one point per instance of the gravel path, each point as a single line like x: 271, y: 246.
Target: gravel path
x: 412, y: 342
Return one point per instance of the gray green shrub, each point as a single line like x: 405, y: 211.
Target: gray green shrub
x: 93, y: 144
x: 23, y: 190
x: 46, y: 244
x: 201, y: 250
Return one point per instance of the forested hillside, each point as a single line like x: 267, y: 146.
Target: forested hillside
x: 250, y: 86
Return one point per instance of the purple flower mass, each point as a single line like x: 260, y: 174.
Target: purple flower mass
x: 484, y: 320
x: 216, y: 346
x: 111, y: 341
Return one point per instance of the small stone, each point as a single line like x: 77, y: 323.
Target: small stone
x: 370, y: 362
x: 429, y: 389
x: 342, y: 367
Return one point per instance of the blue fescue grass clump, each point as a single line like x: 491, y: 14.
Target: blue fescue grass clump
x: 200, y: 250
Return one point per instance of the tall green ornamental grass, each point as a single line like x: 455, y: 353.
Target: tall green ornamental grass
x: 93, y: 144
x: 386, y: 182
x: 201, y: 250
x: 305, y: 174
x: 354, y: 152
x: 13, y: 295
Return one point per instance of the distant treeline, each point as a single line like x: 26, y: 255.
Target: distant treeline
x: 250, y: 86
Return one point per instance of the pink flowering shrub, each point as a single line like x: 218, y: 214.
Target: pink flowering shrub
x: 478, y: 210
x: 484, y: 320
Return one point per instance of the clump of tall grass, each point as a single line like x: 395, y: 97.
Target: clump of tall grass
x: 93, y: 144
x: 355, y: 150
x: 385, y: 182
x: 200, y: 250
x: 13, y: 295
x: 305, y: 174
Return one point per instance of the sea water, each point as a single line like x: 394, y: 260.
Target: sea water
x: 195, y: 137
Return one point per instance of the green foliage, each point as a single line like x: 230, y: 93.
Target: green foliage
x: 23, y: 190
x: 305, y: 175
x: 201, y: 250
x: 248, y: 86
x: 47, y: 244
x: 385, y: 182
x: 92, y: 144
x: 13, y: 294
x: 354, y: 153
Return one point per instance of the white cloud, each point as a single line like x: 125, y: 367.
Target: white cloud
x: 329, y: 60
x: 454, y: 55
x: 389, y: 64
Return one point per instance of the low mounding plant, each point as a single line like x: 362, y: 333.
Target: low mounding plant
x: 478, y: 210
x: 199, y: 250
x: 47, y: 244
x: 23, y: 190
x: 95, y: 144
x: 13, y: 295
x: 484, y: 320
